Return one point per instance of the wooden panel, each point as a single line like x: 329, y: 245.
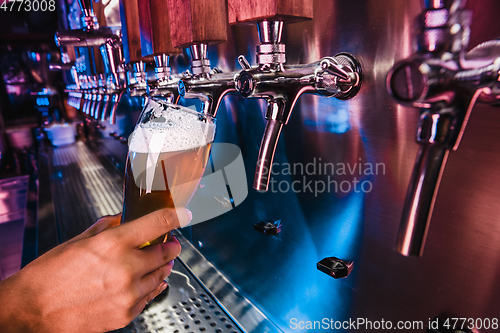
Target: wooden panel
x: 145, y: 28
x: 162, y: 40
x: 99, y: 64
x: 70, y: 51
x: 258, y: 10
x: 197, y: 21
x: 99, y: 13
x: 133, y: 36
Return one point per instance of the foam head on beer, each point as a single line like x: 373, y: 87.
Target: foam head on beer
x: 168, y: 153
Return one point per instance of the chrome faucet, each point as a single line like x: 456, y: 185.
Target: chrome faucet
x: 444, y: 82
x: 339, y: 76
x: 165, y: 84
x: 115, y: 85
x: 93, y: 96
x: 207, y: 84
x: 87, y: 98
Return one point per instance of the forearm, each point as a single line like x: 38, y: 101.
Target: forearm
x: 16, y: 312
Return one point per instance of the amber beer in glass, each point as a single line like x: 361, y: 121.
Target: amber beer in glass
x: 168, y: 153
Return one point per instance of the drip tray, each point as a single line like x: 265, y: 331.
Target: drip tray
x: 183, y: 307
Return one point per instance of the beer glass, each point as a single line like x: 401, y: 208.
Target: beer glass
x: 168, y: 153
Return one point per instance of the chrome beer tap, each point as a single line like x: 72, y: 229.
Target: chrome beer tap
x: 93, y: 95
x: 338, y: 76
x: 207, y: 84
x: 444, y: 82
x: 115, y: 83
x: 100, y: 95
x: 137, y: 79
x: 165, y: 85
x: 86, y: 86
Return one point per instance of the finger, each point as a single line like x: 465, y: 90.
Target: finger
x: 104, y: 223
x: 150, y: 281
x: 139, y: 306
x: 152, y: 257
x: 151, y: 226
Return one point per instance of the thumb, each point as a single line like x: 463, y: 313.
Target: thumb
x: 149, y: 227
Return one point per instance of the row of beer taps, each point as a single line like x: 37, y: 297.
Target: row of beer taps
x: 440, y: 79
x: 97, y: 92
x: 339, y: 76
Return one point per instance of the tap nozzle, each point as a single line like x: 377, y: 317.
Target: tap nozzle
x: 200, y: 65
x: 137, y: 83
x: 206, y: 84
x: 163, y: 72
x: 165, y: 85
x: 115, y: 99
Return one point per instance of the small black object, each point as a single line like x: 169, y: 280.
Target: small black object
x: 268, y: 228
x: 335, y: 267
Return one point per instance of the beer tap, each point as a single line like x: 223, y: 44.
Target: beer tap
x: 93, y: 95
x: 444, y: 82
x: 165, y: 85
x: 204, y: 83
x: 156, y: 44
x: 281, y: 85
x: 100, y: 95
x: 115, y: 83
x: 87, y: 98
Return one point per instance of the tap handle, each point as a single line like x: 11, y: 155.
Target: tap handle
x: 132, y: 35
x: 331, y: 66
x: 270, y: 10
x: 244, y: 62
x: 197, y: 21
x: 159, y: 33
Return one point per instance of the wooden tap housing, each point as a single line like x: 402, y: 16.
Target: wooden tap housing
x: 289, y: 11
x: 197, y: 21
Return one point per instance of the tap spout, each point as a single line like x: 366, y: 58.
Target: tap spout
x: 115, y: 101
x: 165, y: 85
x: 99, y: 100
x: 93, y: 104
x: 420, y: 198
x: 210, y: 91
x: 268, y: 146
x: 107, y: 102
